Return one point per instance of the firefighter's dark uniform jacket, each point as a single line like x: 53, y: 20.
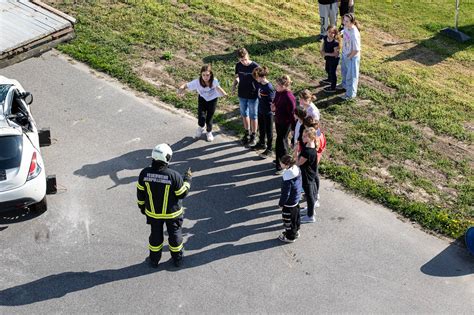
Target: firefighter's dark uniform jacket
x: 159, y: 192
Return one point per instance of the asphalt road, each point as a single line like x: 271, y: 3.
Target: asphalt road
x: 86, y: 253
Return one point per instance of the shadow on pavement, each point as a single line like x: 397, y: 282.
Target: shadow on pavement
x: 56, y: 286
x: 454, y: 261
x: 221, y: 203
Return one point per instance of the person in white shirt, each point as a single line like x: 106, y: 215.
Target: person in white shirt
x: 306, y: 101
x: 209, y: 91
x: 350, y: 57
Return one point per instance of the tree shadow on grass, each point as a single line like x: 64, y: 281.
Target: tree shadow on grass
x: 431, y: 51
x: 263, y: 48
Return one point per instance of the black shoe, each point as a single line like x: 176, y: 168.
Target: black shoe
x: 258, y: 146
x: 152, y: 263
x: 266, y: 154
x: 325, y: 82
x: 245, y: 139
x: 178, y: 262
x: 252, y: 142
x: 329, y: 90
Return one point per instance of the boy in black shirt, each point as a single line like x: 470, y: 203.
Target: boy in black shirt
x: 308, y: 163
x: 266, y: 94
x: 247, y: 93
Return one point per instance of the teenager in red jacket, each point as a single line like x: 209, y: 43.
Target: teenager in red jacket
x: 283, y: 106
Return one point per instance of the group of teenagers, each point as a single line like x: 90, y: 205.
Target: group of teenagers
x: 299, y: 142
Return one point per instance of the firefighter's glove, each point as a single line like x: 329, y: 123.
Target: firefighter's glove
x: 188, y: 175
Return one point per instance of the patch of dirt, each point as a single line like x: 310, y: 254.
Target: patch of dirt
x: 155, y: 74
x: 448, y: 146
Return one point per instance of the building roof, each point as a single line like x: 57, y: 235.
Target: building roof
x: 29, y: 25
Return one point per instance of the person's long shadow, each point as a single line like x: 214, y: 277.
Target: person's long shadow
x: 424, y: 54
x: 56, y: 286
x: 219, y: 205
x: 135, y: 160
x: 263, y: 48
x: 453, y: 261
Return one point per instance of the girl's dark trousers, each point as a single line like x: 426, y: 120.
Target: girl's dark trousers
x: 206, y: 112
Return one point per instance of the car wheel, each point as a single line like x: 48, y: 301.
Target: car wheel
x: 40, y: 207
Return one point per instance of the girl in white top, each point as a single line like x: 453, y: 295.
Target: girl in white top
x: 209, y: 91
x: 350, y: 56
x: 306, y: 101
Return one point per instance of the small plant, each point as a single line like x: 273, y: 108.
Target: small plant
x: 167, y: 55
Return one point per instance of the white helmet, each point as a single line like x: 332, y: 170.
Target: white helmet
x: 162, y: 152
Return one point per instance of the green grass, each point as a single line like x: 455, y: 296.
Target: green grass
x: 406, y: 143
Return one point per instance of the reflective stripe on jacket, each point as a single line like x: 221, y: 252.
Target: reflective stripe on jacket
x: 159, y: 192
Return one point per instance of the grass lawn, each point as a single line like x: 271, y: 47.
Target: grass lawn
x: 407, y: 142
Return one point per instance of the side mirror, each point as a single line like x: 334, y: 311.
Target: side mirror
x: 28, y: 97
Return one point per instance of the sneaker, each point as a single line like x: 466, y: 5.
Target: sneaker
x: 296, y: 236
x: 307, y: 219
x: 245, y: 139
x: 282, y: 237
x: 340, y: 87
x: 324, y: 82
x: 258, y: 146
x: 266, y: 154
x: 346, y: 98
x: 252, y: 142
x: 199, y: 132
x: 209, y: 136
x: 329, y: 90
x: 317, y: 204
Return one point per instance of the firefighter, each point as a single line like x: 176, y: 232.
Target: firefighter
x: 159, y: 193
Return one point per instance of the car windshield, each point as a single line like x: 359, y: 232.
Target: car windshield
x: 4, y: 88
x: 10, y: 151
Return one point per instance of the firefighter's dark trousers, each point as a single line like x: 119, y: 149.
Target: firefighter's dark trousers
x: 175, y: 238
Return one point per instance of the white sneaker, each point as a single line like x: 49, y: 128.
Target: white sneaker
x: 209, y: 136
x: 316, y: 204
x: 307, y: 219
x: 199, y: 132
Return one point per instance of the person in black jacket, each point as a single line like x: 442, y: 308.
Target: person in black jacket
x: 159, y: 193
x: 289, y: 199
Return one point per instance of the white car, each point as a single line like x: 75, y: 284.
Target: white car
x: 22, y: 173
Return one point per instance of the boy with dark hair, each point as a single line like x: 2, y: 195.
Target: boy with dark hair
x: 266, y: 94
x: 289, y: 199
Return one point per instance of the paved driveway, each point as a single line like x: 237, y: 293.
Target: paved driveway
x: 85, y: 254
